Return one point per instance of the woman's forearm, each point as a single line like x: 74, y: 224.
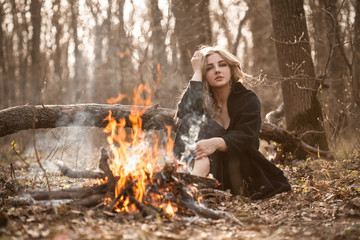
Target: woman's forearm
x: 221, y: 144
x: 197, y: 76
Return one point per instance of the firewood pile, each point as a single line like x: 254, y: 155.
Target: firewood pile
x: 167, y: 193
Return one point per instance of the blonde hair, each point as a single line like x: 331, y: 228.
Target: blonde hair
x: 235, y: 70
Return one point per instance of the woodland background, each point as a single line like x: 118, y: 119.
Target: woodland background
x: 303, y: 53
x: 85, y: 51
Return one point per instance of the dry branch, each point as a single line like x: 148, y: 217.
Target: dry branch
x: 73, y: 193
x: 272, y: 132
x: 26, y: 117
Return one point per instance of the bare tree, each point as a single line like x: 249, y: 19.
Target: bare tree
x: 123, y: 51
x: 192, y: 28
x: 3, y: 80
x: 36, y: 67
x: 356, y: 57
x: 302, y: 108
x: 159, y: 62
x: 58, y: 69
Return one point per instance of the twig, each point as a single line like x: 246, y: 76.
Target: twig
x: 45, y: 174
x: 13, y: 144
x: 41, y: 166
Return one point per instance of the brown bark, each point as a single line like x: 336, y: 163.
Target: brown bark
x: 3, y: 96
x: 74, y: 4
x: 36, y: 78
x: 126, y: 71
x: 192, y: 28
x: 159, y: 58
x: 72, y: 193
x: 51, y: 116
x: 356, y: 57
x: 58, y: 51
x: 338, y: 66
x: 302, y: 108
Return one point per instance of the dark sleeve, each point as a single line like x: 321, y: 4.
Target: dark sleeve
x: 245, y: 133
x: 192, y: 100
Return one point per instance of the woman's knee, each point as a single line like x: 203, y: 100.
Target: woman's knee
x: 201, y: 167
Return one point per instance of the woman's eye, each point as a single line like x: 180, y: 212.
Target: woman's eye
x: 223, y: 65
x: 208, y: 68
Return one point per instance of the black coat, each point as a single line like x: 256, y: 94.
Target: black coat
x: 242, y: 169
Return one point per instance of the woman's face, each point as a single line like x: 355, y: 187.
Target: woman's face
x: 218, y: 73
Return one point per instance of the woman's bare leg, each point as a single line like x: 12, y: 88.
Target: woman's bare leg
x: 201, y: 167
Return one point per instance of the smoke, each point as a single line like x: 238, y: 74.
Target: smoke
x: 76, y: 145
x: 189, y: 139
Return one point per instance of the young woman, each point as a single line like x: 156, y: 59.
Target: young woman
x: 228, y: 141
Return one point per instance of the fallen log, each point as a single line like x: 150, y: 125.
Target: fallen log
x: 26, y: 117
x: 72, y: 193
x: 272, y: 132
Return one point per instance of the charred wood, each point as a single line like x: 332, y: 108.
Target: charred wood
x: 145, y: 209
x: 104, y: 165
x: 79, y: 174
x: 123, y: 192
x: 199, y: 182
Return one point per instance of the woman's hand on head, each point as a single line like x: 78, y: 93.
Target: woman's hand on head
x: 196, y: 65
x: 206, y: 147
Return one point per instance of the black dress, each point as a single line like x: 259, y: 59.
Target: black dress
x: 242, y: 168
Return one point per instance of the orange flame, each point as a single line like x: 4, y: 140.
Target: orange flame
x: 170, y: 209
x: 117, y: 99
x: 135, y: 154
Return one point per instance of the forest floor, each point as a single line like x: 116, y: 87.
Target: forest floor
x: 324, y: 203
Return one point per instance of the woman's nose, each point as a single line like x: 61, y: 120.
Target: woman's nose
x: 217, y: 68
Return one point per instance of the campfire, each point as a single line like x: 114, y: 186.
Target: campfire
x: 139, y: 173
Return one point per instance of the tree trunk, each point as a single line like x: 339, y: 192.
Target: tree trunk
x: 58, y: 51
x: 3, y: 80
x: 302, y: 108
x: 339, y: 66
x: 79, y: 73
x: 192, y: 28
x: 356, y: 58
x: 126, y: 70
x: 159, y: 58
x: 36, y: 69
x: 262, y: 55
